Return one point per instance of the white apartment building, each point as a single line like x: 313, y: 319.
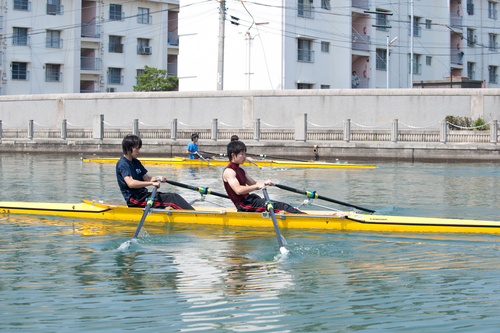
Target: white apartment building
x: 72, y: 46
x: 317, y: 44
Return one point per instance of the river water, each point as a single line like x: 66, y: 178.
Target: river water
x: 68, y: 275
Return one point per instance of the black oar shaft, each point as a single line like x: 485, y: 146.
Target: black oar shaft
x: 270, y: 209
x: 197, y: 189
x: 316, y: 196
x: 150, y: 202
x: 277, y: 157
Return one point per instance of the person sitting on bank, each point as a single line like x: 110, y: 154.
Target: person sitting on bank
x: 192, y: 148
x: 239, y: 184
x: 133, y: 179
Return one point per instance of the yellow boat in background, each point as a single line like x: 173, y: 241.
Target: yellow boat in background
x: 323, y: 220
x: 179, y: 161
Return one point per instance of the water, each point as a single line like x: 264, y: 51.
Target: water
x: 68, y: 275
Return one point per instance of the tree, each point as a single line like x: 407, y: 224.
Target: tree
x: 155, y: 79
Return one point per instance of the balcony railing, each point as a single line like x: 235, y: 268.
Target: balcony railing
x: 305, y: 10
x: 145, y: 50
x: 55, y: 43
x: 116, y: 16
x: 53, y: 76
x: 88, y: 91
x: 493, y: 78
x: 115, y: 79
x: 116, y: 48
x: 20, y: 75
x: 21, y: 40
x: 22, y: 5
x: 173, y: 38
x: 90, y: 63
x: 457, y: 57
x: 360, y: 42
x: 172, y: 69
x: 361, y: 4
x: 91, y: 30
x: 383, y: 21
x: 305, y: 55
x: 493, y: 46
x: 417, y: 31
x: 417, y: 69
x: 145, y: 19
x: 456, y: 20
x: 55, y: 9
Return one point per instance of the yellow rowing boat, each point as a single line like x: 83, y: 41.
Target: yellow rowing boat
x: 325, y: 220
x: 179, y: 161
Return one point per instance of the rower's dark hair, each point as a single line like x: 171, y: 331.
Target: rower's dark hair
x: 235, y: 147
x: 131, y: 141
x: 194, y: 136
x: 234, y: 138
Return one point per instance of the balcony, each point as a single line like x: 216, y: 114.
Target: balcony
x: 55, y: 9
x: 91, y: 30
x: 173, y: 38
x: 457, y: 57
x: 417, y: 69
x: 55, y: 43
x: 456, y: 21
x: 305, y: 10
x: 361, y: 42
x: 21, y: 40
x: 116, y: 16
x: 115, y: 79
x: 144, y: 50
x: 417, y: 31
x: 53, y: 76
x: 305, y: 55
x: 90, y: 63
x: 22, y: 5
x: 365, y: 4
x: 172, y: 69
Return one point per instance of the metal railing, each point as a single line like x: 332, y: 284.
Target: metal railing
x: 91, y: 30
x: 456, y: 20
x: 305, y: 55
x: 22, y: 5
x: 21, y: 40
x: 493, y: 78
x: 417, y: 69
x: 55, y: 9
x: 360, y: 42
x: 492, y: 14
x: 116, y: 48
x: 173, y: 38
x: 471, y: 74
x: 20, y: 75
x: 493, y: 46
x: 417, y: 31
x: 116, y: 15
x: 56, y: 43
x: 53, y: 76
x: 457, y: 57
x: 144, y: 19
x: 90, y: 63
x: 115, y: 79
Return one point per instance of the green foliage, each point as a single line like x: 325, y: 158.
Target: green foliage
x: 466, y: 122
x: 156, y: 80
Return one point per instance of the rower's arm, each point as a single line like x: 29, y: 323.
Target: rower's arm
x: 133, y: 183
x: 229, y: 176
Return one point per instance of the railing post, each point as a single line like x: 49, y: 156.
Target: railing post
x: 98, y: 127
x: 30, y: 129
x: 135, y: 127
x: 256, y: 129
x: 493, y: 131
x: 347, y: 130
x: 173, y: 130
x: 443, y: 133
x: 301, y: 127
x: 215, y: 128
x: 0, y: 131
x: 394, y: 130
x: 64, y: 130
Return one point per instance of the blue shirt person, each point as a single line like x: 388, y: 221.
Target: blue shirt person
x: 192, y: 147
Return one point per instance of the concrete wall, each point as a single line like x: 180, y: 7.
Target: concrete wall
x: 422, y: 107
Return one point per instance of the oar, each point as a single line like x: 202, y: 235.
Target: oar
x: 150, y: 203
x: 203, y: 158
x: 314, y: 195
x: 270, y: 209
x: 207, y: 152
x: 278, y: 158
x: 202, y: 190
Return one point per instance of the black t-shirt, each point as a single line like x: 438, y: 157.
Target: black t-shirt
x: 133, y: 169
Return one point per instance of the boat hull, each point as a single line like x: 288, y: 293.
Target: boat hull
x: 324, y: 220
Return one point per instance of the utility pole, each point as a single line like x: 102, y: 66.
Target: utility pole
x: 220, y: 58
x: 411, y: 44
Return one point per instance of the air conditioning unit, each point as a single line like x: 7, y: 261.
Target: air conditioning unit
x: 110, y: 89
x: 145, y: 49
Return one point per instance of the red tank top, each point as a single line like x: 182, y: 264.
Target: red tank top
x: 242, y: 179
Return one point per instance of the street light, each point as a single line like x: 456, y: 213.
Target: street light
x: 388, y: 44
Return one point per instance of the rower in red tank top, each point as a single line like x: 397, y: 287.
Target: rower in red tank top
x: 239, y: 184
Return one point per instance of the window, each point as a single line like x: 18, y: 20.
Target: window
x: 325, y: 47
x: 19, y: 71
x: 382, y: 20
x: 470, y: 7
x: 143, y: 16
x: 143, y: 46
x: 22, y: 5
x: 115, y: 44
x: 115, y: 13
x: 325, y: 4
x: 428, y: 24
x: 53, y: 73
x: 304, y: 50
x: 417, y: 67
x: 492, y: 13
x: 470, y: 70
x: 54, y: 7
x: 325, y: 86
x: 428, y: 60
x: 53, y: 39
x: 471, y: 39
x: 381, y: 60
x: 305, y: 9
x: 139, y: 73
x: 417, y: 32
x: 493, y: 74
x: 20, y: 36
x: 114, y: 76
x: 493, y: 46
x: 304, y: 86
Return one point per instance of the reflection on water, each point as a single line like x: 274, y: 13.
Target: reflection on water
x: 69, y: 273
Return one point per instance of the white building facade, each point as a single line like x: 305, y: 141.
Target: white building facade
x: 318, y: 44
x: 80, y: 46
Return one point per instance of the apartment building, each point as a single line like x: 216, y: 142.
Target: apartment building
x: 82, y: 46
x: 318, y: 44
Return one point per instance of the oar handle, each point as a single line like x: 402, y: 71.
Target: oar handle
x: 270, y: 209
x: 202, y: 190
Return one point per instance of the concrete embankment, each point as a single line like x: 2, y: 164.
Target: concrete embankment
x: 351, y: 151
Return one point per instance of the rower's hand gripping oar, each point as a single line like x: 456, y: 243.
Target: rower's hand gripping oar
x: 202, y: 190
x: 203, y: 158
x: 314, y: 195
x: 149, y: 203
x: 270, y: 209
